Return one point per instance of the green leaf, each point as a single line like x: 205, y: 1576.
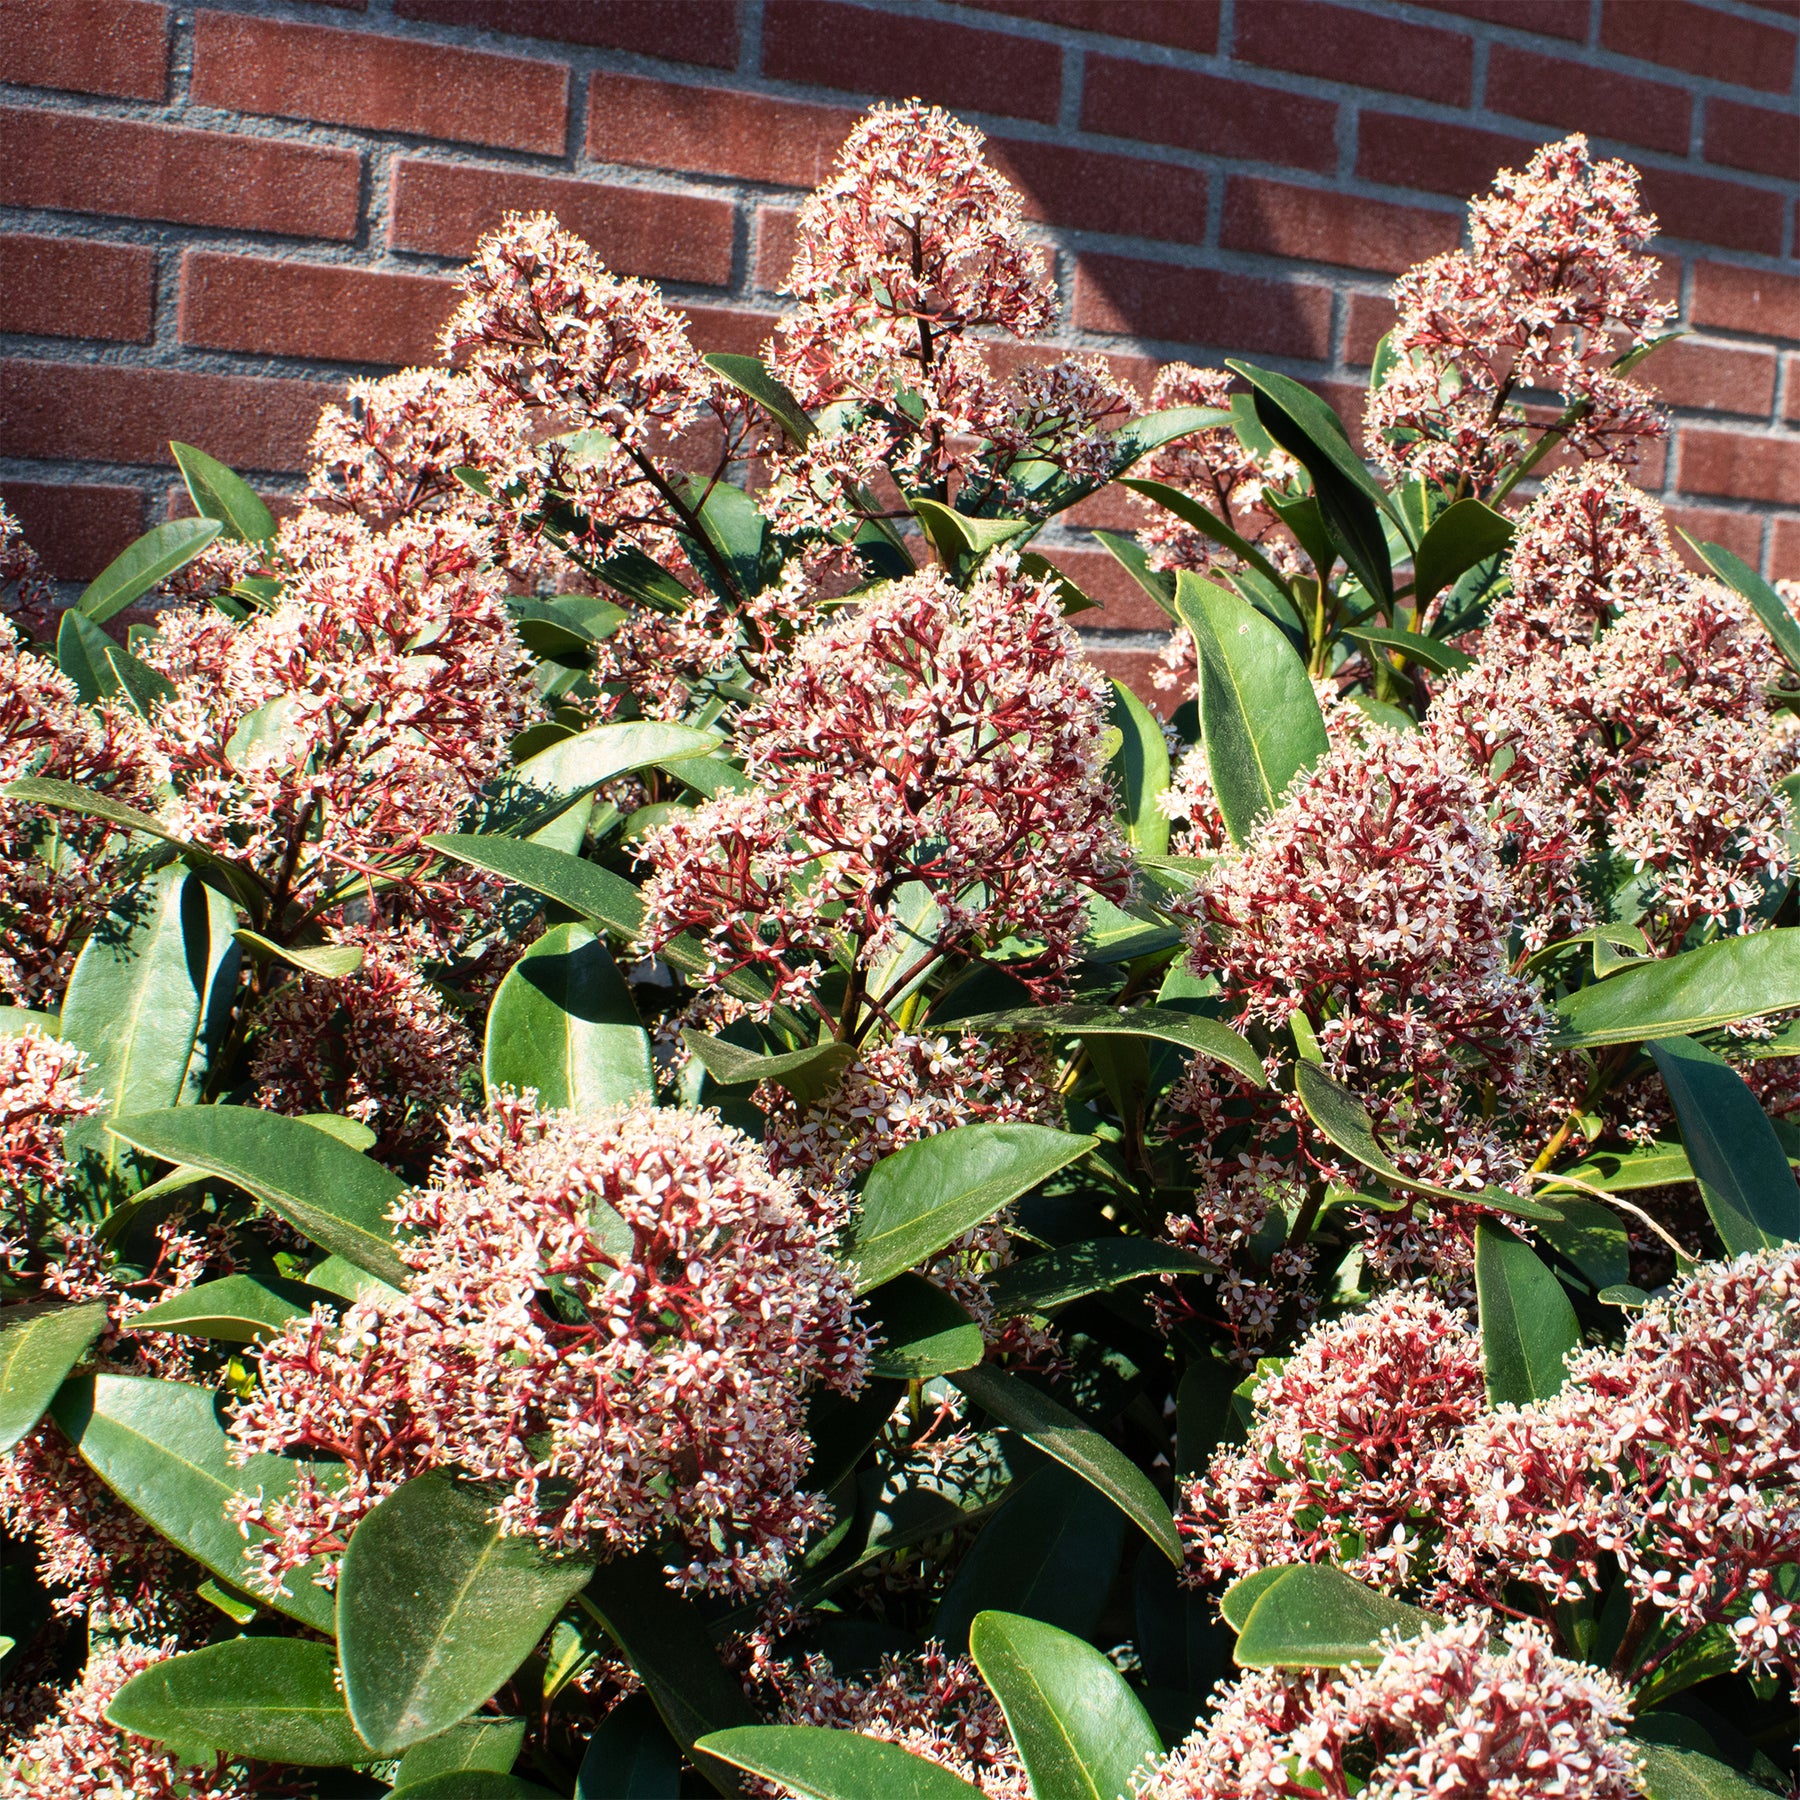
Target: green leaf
x: 1591, y: 1236
x: 1317, y: 1617
x: 1235, y: 1603
x: 1136, y: 438
x: 40, y: 1343
x: 330, y: 961
x: 957, y: 537
x: 922, y: 1332
x: 1259, y: 719
x: 1189, y: 510
x: 1445, y: 659
x: 492, y: 1745
x: 1528, y: 1326
x: 1672, y: 1774
x: 1140, y: 770
x: 337, y: 1196
x: 1189, y: 1031
x: 1135, y: 560
x: 160, y: 1447
x: 436, y: 1608
x: 237, y: 1309
x: 750, y: 375
x: 1058, y: 1433
x: 219, y: 494
x: 1718, y: 984
x: 1765, y: 602
x: 576, y: 766
x: 736, y: 532
x: 1742, y: 1169
x: 271, y: 1698
x: 81, y: 648
x: 1624, y: 1171
x: 1465, y: 533
x: 1073, y: 1270
x: 472, y: 1784
x: 563, y: 1022
x: 808, y: 1074
x: 925, y: 1196
x: 136, y: 570
x: 143, y: 687
x: 150, y: 997
x: 822, y: 1764
x: 1081, y: 1733
x: 630, y: 1756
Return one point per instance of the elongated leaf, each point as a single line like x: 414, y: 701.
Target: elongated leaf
x: 1072, y: 1270
x: 1135, y: 560
x: 1081, y: 1733
x: 149, y: 1000
x: 1528, y: 1326
x: 1058, y: 1433
x: 1735, y: 978
x: 1189, y: 1031
x: 331, y: 961
x: 436, y: 1608
x: 750, y: 375
x: 1765, y: 602
x: 1317, y: 1617
x: 275, y: 1699
x: 630, y: 1756
x: 808, y: 1074
x: 920, y: 1198
x: 1140, y: 770
x: 472, y: 1784
x: 563, y: 1022
x: 957, y: 536
x: 823, y: 1764
x: 160, y: 1447
x: 922, y: 1331
x: 137, y: 569
x: 1743, y: 1171
x: 486, y: 1744
x: 578, y: 765
x: 1189, y: 510
x: 337, y: 1196
x: 1592, y: 1237
x: 81, y: 648
x: 39, y: 1344
x: 1259, y: 719
x: 736, y: 533
x: 218, y: 493
x: 236, y: 1309
x: 1463, y: 534
x: 1445, y: 659
x: 1323, y: 430
x: 1673, y: 1774
x: 1623, y: 1171
x: 1136, y: 438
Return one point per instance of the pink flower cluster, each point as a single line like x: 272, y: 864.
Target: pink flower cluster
x: 42, y: 1094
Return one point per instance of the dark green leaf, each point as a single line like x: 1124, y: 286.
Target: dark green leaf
x: 1159, y: 584
x: 576, y: 766
x: 1718, y: 984
x: 1765, y: 602
x: 1322, y: 430
x: 823, y: 1764
x: 1259, y: 718
x: 81, y: 648
x: 218, y: 493
x: 563, y: 1022
x: 1072, y: 1270
x: 337, y: 1196
x: 1189, y: 510
x: 1081, y: 1733
x: 922, y: 1332
x: 1743, y: 1171
x: 1317, y: 1617
x: 436, y: 1608
x: 1463, y: 534
x: 750, y: 375
x: 808, y: 1074
x: 1140, y: 770
x: 1445, y: 659
x: 237, y: 1309
x: 1190, y: 1031
x: 331, y: 962
x: 136, y: 570
x: 39, y: 1344
x: 490, y: 1744
x: 1672, y: 1774
x: 630, y: 1756
x: 473, y: 1784
x: 1528, y: 1326
x: 274, y: 1699
x: 1591, y: 1236
x: 737, y: 533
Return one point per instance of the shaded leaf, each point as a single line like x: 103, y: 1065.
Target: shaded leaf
x: 808, y: 1074
x: 332, y: 962
x: 1189, y: 510
x: 750, y: 375
x: 823, y: 1764
x: 1528, y: 1326
x: 1465, y: 533
x: 630, y: 1756
x: 1140, y: 770
x: 1189, y: 1031
x: 922, y: 1331
x: 40, y: 1343
x: 1072, y: 1270
x: 1771, y: 610
x: 237, y: 1309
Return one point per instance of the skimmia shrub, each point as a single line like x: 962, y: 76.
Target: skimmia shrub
x: 653, y: 1144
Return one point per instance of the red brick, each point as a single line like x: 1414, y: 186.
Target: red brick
x: 1181, y: 24
x: 866, y: 52
x: 1442, y: 159
x: 1135, y: 668
x: 1740, y: 533
x: 380, y: 83
x: 1112, y: 509
x: 1791, y: 407
x: 76, y: 527
x: 1155, y: 104
x: 96, y: 412
x: 1340, y: 43
x: 1563, y: 90
x: 1730, y: 378
x: 714, y: 131
x: 1370, y: 318
x: 1682, y: 35
x: 1090, y: 191
x: 697, y: 31
x: 1550, y: 18
x: 72, y: 163
x: 728, y: 329
x: 1763, y: 138
x: 322, y: 310
x: 76, y: 288
x: 1202, y: 306
x: 1754, y: 300
x: 1741, y: 465
x: 1124, y: 606
x: 775, y: 230
x: 1715, y: 212
x: 442, y: 208
x: 1322, y: 225
x: 1784, y: 551
x: 93, y: 46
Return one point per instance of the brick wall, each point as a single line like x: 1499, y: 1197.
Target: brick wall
x: 211, y: 215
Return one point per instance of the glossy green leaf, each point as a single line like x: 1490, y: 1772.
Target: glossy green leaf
x: 1672, y: 1774
x: 1743, y: 1171
x: 1528, y: 1326
x: 1189, y: 510
x: 920, y: 1331
x: 1159, y: 584
x: 1081, y: 1733
x: 630, y: 1756
x: 337, y: 1196
x: 1771, y: 610
x: 924, y: 1196
x: 137, y: 569
x: 578, y: 765
x: 750, y: 375
x: 1188, y: 1031
x: 1735, y: 978
x: 150, y: 997
x: 40, y: 1342
x: 487, y: 1744
x: 1465, y: 533
x: 1444, y: 659
x: 1317, y: 1617
x: 236, y: 1309
x: 1259, y: 718
x: 436, y: 1608
x: 1057, y: 1432
x: 822, y: 1764
x: 271, y: 1698
x: 472, y: 1784
x: 1623, y: 1171
x: 808, y: 1074
x: 1140, y: 771
x: 736, y: 534
x: 160, y: 1446
x: 81, y: 648
x: 957, y: 536
x: 563, y: 1022
x: 1073, y: 1270
x: 218, y: 493
x: 1593, y: 1237
x: 332, y: 962
x: 1235, y: 1603
x: 1323, y: 430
